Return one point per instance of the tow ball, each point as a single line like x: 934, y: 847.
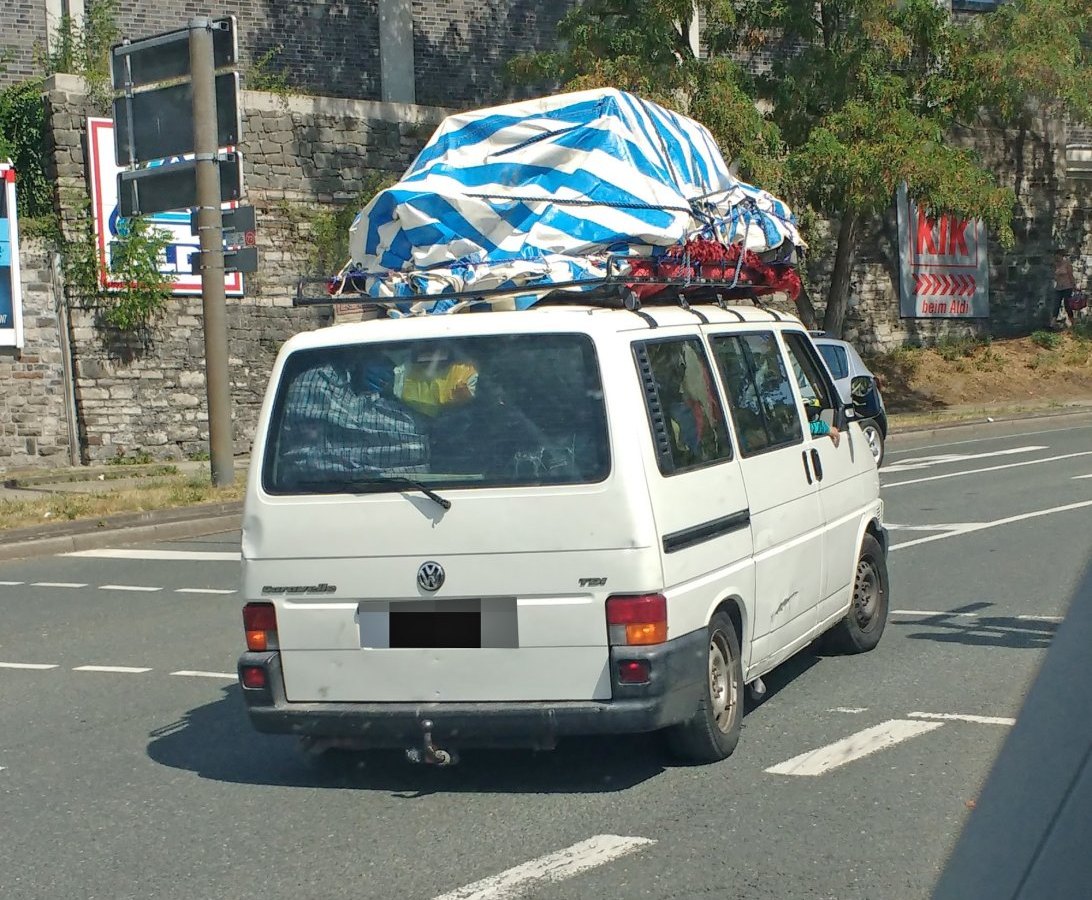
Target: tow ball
x: 429, y: 754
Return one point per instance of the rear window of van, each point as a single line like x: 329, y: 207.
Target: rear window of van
x: 482, y: 411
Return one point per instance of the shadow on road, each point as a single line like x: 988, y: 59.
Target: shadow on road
x: 967, y: 625
x: 217, y: 742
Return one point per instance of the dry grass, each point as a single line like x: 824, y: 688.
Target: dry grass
x: 70, y: 506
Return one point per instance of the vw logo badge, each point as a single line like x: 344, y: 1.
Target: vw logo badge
x: 430, y: 577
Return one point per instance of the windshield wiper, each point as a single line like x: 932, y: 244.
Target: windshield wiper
x: 375, y: 485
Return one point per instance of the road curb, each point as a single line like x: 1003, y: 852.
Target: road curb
x: 986, y: 423
x: 172, y: 524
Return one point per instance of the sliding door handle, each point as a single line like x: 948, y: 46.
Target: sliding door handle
x: 817, y: 464
x: 807, y: 468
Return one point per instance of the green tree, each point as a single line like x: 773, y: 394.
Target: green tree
x: 862, y: 94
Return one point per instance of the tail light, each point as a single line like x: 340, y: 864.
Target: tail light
x: 637, y: 620
x: 260, y: 623
x: 252, y: 677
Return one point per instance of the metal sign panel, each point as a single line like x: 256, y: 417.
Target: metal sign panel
x: 242, y: 259
x: 158, y: 124
x: 944, y: 267
x: 103, y: 172
x: 11, y: 294
x: 173, y: 185
x: 166, y: 56
x: 239, y: 220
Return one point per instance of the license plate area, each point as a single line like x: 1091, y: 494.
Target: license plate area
x: 438, y: 624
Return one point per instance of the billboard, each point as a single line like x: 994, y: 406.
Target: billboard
x: 103, y: 169
x: 11, y: 295
x: 944, y: 269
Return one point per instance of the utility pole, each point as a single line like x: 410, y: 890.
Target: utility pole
x: 210, y: 232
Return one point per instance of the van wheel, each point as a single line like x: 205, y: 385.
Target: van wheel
x: 713, y: 731
x: 874, y: 439
x: 862, y: 628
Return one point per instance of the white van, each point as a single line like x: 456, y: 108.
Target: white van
x: 502, y: 528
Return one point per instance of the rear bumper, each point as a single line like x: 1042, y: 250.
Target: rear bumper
x: 676, y: 681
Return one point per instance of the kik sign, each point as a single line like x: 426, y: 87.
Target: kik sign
x: 11, y: 298
x: 109, y: 224
x: 943, y: 264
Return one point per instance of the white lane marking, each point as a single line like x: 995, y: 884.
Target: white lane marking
x: 125, y: 670
x: 992, y: 437
x: 554, y: 867
x: 853, y: 710
x: 5, y: 665
x: 982, y: 526
x: 198, y: 555
x: 129, y: 587
x: 958, y: 717
x: 203, y: 591
x: 863, y: 743
x: 944, y: 614
x: 1026, y: 462
x: 926, y: 462
x: 932, y: 612
x: 10, y: 583
x: 60, y: 584
x: 1075, y: 477
x: 193, y: 673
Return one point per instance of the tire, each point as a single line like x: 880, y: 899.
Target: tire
x: 862, y: 628
x: 712, y: 733
x: 874, y: 438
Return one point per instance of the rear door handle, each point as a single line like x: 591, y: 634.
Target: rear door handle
x: 817, y: 464
x: 807, y: 468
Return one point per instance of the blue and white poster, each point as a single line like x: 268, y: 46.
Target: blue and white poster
x: 11, y: 298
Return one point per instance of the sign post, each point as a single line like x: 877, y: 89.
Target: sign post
x: 152, y: 125
x: 11, y: 296
x: 944, y: 269
x: 210, y: 234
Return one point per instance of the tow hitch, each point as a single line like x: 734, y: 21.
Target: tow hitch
x: 429, y: 754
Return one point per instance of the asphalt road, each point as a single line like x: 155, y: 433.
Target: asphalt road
x: 149, y: 783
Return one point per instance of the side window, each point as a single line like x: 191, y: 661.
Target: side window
x: 759, y: 391
x: 683, y: 407
x: 811, y: 377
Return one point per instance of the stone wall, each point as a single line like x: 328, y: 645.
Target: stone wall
x: 302, y: 156
x: 33, y: 415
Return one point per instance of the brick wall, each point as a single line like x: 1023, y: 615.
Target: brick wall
x: 22, y: 24
x: 461, y: 46
x: 331, y: 47
x: 33, y: 423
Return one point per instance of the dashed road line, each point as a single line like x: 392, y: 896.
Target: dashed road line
x: 944, y: 614
x: 927, y: 462
x: 204, y: 590
x: 858, y: 745
x: 192, y: 555
x: 60, y: 584
x: 11, y: 583
x: 137, y: 588
x: 554, y: 867
x: 14, y: 665
x: 193, y: 673
x: 959, y: 717
x: 971, y: 528
x: 852, y: 710
x: 124, y: 670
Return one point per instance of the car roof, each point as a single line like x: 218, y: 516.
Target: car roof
x: 593, y: 320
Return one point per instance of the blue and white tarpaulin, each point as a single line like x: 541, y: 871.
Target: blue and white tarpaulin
x: 545, y: 191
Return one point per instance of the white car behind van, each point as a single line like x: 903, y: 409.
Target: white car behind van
x: 500, y: 529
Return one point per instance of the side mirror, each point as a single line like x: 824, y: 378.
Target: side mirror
x: 865, y: 402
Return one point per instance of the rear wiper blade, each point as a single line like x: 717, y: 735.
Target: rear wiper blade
x: 370, y: 485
